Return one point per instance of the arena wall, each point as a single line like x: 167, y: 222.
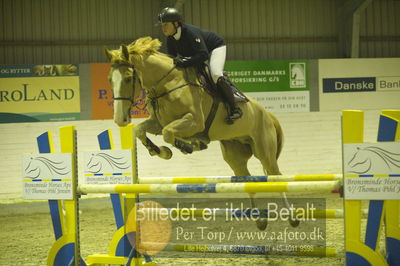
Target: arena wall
x: 312, y: 146
x: 65, y: 32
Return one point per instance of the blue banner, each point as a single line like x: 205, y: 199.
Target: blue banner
x: 348, y: 84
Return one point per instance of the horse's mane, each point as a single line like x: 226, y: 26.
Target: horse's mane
x: 145, y: 46
x: 138, y: 49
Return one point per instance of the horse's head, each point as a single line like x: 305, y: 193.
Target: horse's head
x: 360, y: 157
x: 32, y: 170
x: 297, y: 72
x: 125, y: 84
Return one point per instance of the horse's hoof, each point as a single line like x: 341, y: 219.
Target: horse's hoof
x: 229, y: 121
x: 262, y: 224
x: 184, y: 146
x: 203, y: 146
x: 165, y: 153
x: 294, y: 223
x: 153, y: 152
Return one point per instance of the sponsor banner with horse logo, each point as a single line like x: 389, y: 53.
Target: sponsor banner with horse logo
x: 108, y: 167
x: 278, y: 85
x: 47, y: 176
x: 372, y: 170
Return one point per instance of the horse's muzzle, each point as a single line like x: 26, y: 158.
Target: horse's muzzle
x: 122, y: 121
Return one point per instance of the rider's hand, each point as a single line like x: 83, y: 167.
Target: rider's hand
x: 182, y: 61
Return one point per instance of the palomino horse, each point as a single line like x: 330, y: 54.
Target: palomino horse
x: 179, y: 109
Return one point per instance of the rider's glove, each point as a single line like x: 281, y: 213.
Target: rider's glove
x: 180, y: 61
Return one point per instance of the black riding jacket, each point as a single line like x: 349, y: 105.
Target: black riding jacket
x: 194, y: 43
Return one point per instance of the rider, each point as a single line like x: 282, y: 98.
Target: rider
x: 192, y: 46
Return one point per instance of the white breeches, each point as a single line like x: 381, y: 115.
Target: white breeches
x: 217, y: 62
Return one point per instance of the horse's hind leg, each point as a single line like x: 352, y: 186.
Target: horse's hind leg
x: 237, y: 154
x: 265, y: 149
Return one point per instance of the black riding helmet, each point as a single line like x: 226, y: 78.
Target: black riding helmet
x: 169, y: 14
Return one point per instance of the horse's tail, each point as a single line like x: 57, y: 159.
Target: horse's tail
x: 279, y: 136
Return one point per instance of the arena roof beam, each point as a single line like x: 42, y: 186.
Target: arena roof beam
x: 349, y: 29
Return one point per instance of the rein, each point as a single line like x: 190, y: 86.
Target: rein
x: 171, y: 90
x: 153, y: 99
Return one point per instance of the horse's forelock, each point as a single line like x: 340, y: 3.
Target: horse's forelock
x: 117, y: 57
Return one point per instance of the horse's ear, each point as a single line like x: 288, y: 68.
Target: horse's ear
x: 125, y: 52
x: 108, y: 53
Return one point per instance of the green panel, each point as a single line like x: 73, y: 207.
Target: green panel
x: 269, y: 75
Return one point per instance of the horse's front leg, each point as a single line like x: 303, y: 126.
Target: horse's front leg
x: 153, y: 127
x: 185, y: 127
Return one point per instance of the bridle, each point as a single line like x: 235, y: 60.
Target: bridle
x: 134, y: 76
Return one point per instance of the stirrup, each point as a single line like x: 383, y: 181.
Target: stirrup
x: 234, y: 115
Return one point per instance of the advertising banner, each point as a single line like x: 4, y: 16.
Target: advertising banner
x: 47, y: 176
x: 108, y: 167
x: 349, y: 84
x: 278, y: 85
x: 102, y: 95
x: 359, y: 83
x: 371, y: 171
x: 33, y: 93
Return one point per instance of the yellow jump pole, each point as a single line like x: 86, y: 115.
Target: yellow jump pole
x: 356, y: 250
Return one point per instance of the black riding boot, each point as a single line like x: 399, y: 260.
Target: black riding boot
x: 234, y: 111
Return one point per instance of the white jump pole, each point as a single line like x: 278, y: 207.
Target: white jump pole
x: 237, y: 179
x: 301, y: 186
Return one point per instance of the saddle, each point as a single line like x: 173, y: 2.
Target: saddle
x: 204, y: 76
